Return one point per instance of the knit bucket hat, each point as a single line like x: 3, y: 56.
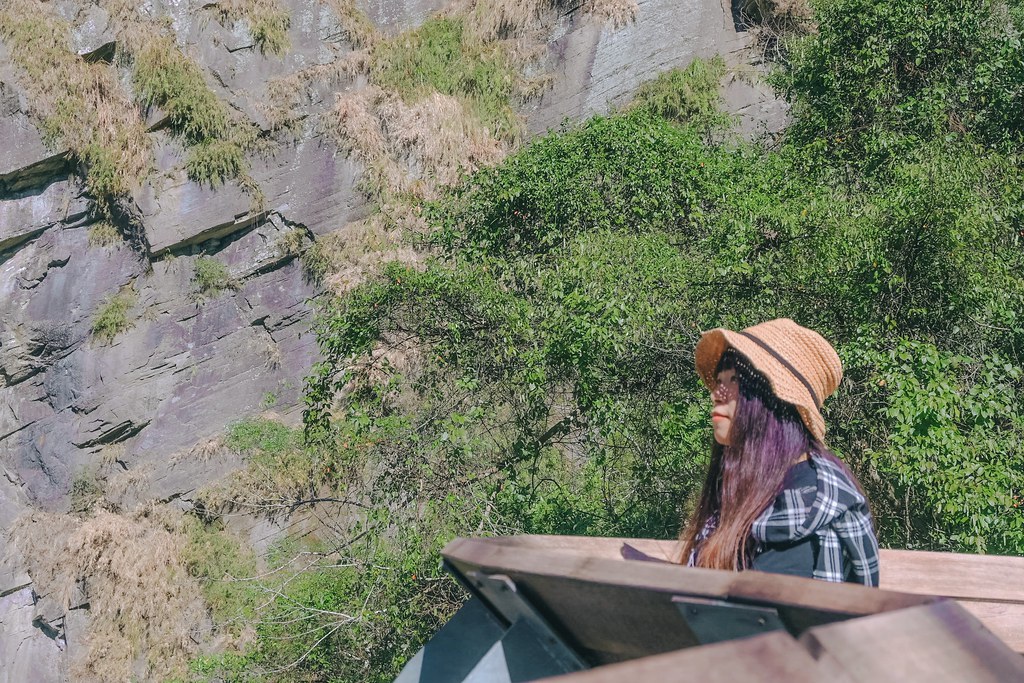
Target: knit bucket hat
x: 801, y: 367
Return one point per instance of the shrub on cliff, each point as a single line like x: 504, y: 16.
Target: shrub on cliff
x: 112, y: 317
x: 212, y: 277
x: 880, y: 78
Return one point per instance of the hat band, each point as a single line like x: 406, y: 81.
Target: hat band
x: 787, y: 364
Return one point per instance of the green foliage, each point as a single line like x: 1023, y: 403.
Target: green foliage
x: 168, y: 79
x: 214, y: 161
x: 369, y: 616
x: 574, y: 280
x: 112, y: 317
x: 229, y: 667
x: 86, y: 492
x: 880, y: 77
x: 689, y: 95
x: 281, y: 470
x: 598, y: 176
x: 224, y: 569
x: 104, y: 234
x: 212, y: 277
x: 438, y: 56
x: 261, y: 436
x: 955, y: 431
x: 367, y: 599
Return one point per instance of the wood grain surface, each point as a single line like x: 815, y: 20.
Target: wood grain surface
x: 762, y: 659
x: 936, y: 643
x: 989, y: 587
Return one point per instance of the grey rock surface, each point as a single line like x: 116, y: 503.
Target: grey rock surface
x: 31, y: 655
x: 393, y: 17
x: 28, y: 213
x: 597, y: 67
x: 307, y: 182
x: 25, y: 161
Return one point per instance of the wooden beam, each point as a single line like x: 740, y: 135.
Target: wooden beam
x: 762, y: 659
x: 936, y: 643
x: 970, y: 577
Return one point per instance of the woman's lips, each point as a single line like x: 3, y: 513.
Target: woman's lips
x: 718, y: 416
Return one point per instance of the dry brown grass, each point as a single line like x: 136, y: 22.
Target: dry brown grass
x: 411, y: 149
x: 409, y: 153
x: 144, y: 607
x: 341, y: 260
x: 267, y: 20
x: 797, y: 12
x: 527, y: 21
x: 111, y: 453
x: 618, y: 13
x: 286, y: 95
x: 393, y: 355
x: 81, y: 105
x: 128, y: 482
x: 120, y: 10
x: 358, y: 28
x: 772, y: 22
x: 203, y: 451
x: 274, y: 476
x: 494, y: 20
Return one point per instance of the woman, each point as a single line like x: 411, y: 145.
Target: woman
x: 775, y: 498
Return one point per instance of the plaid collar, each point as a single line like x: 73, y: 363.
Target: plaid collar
x: 834, y: 515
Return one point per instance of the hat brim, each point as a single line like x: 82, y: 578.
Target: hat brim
x: 785, y: 386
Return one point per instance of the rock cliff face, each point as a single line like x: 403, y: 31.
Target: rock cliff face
x: 189, y: 363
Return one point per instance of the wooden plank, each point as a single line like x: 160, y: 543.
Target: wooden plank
x: 768, y: 658
x: 968, y: 577
x: 1005, y: 619
x: 954, y: 575
x: 594, y: 546
x: 936, y: 643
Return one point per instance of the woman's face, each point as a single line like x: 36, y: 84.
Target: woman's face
x: 723, y: 408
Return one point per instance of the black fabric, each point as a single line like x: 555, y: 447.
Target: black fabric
x: 795, y: 559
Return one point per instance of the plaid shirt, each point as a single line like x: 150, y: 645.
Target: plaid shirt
x: 835, y: 513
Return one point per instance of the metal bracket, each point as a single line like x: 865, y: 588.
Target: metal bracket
x: 713, y: 621
x: 503, y: 596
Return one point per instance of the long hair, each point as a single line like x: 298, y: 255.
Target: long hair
x: 766, y: 438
